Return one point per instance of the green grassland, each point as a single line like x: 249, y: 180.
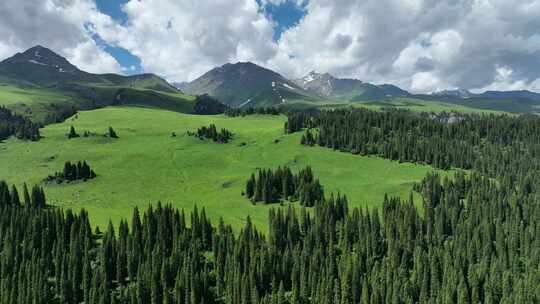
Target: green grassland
x: 404, y: 103
x: 38, y: 102
x: 10, y: 94
x: 418, y: 105
x: 146, y: 164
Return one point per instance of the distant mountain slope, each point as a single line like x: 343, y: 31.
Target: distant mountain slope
x: 511, y: 94
x: 247, y: 84
x: 509, y: 101
x: 59, y: 87
x: 346, y: 89
x: 509, y: 104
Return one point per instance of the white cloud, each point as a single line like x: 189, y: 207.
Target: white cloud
x: 425, y: 82
x: 417, y: 44
x: 89, y: 57
x: 456, y: 43
x: 183, y: 39
x: 504, y: 81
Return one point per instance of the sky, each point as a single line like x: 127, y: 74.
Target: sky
x: 419, y: 45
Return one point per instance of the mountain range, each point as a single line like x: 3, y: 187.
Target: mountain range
x: 245, y: 84
x: 242, y: 84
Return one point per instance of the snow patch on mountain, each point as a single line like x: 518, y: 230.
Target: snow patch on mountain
x: 245, y: 103
x: 288, y: 86
x: 37, y: 62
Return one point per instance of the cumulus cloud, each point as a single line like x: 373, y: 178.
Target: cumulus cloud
x: 57, y: 24
x: 420, y: 45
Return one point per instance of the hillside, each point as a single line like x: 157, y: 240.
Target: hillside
x: 45, y: 86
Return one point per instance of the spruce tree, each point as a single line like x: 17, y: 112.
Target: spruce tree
x: 112, y: 133
x: 72, y: 133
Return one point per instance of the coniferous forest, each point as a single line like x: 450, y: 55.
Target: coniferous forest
x: 270, y: 186
x: 474, y: 240
x: 235, y: 112
x: 15, y: 125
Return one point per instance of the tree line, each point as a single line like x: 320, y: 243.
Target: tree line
x: 271, y: 186
x: 223, y: 136
x: 11, y: 198
x: 236, y: 112
x: 490, y: 144
x: 73, y: 172
x: 16, y: 125
x: 207, y: 105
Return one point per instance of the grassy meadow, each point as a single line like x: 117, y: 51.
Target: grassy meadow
x: 403, y: 103
x: 418, y: 105
x: 147, y: 164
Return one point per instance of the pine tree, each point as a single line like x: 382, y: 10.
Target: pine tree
x: 15, y: 199
x: 112, y: 133
x: 27, y: 201
x: 72, y: 133
x: 250, y: 187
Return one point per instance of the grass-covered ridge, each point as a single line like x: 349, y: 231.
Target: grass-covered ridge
x: 146, y: 164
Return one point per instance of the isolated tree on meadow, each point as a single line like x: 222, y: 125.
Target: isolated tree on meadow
x: 72, y: 133
x: 112, y: 133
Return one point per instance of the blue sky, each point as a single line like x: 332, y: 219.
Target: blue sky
x: 130, y: 63
x: 285, y: 15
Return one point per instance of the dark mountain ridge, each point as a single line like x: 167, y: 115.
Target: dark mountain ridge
x: 347, y: 89
x: 245, y: 84
x: 42, y: 67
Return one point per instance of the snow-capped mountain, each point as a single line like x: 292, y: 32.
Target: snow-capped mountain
x: 328, y: 86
